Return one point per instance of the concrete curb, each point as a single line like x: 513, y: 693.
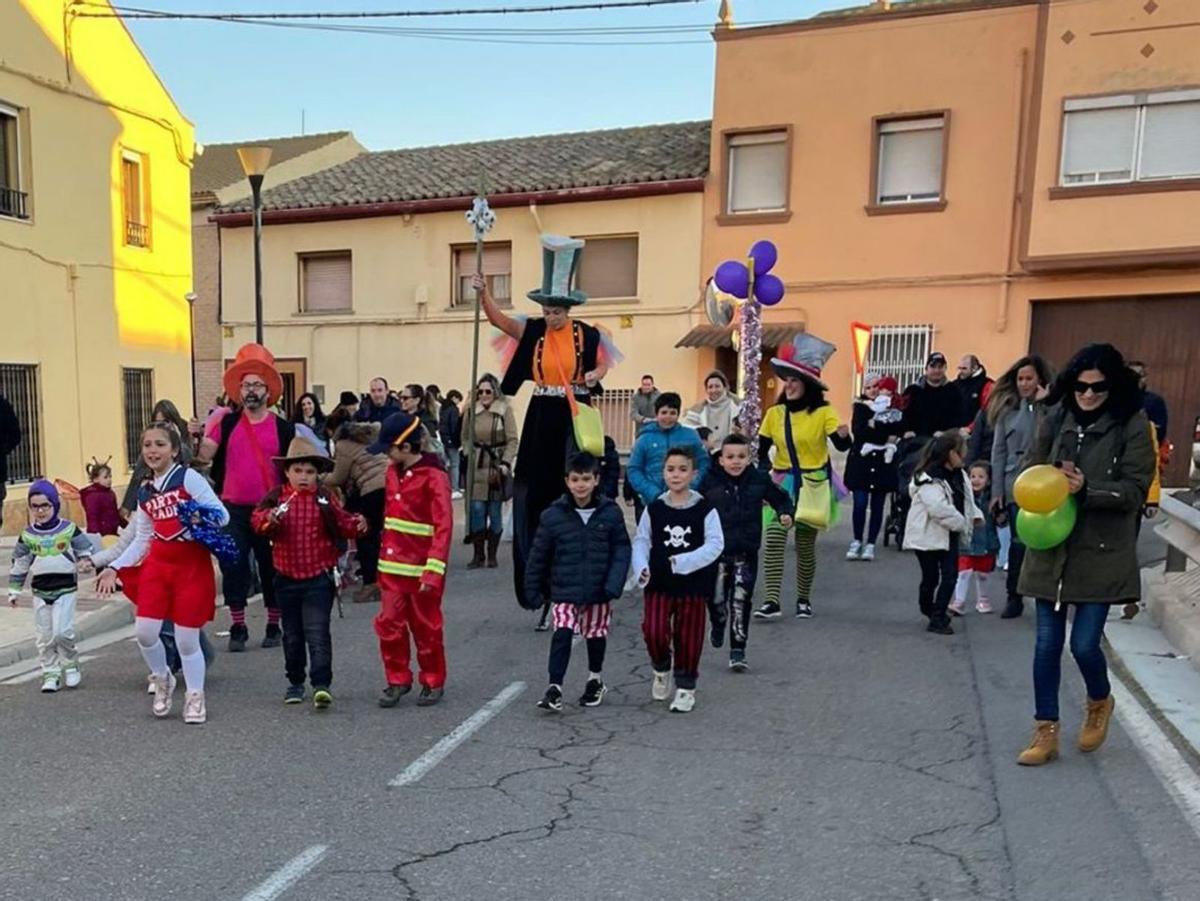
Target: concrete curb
x: 113, y: 615
x: 1173, y: 602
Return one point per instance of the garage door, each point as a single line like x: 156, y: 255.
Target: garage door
x: 1161, y: 330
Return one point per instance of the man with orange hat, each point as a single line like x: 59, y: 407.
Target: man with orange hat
x: 240, y: 446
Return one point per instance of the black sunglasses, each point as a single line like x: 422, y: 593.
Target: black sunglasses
x: 1100, y: 387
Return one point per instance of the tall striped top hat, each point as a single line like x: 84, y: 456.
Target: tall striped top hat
x: 560, y: 263
x: 805, y: 357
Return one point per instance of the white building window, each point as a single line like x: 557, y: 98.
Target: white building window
x: 497, y: 271
x: 326, y: 282
x: 14, y: 201
x: 899, y: 351
x: 1149, y: 136
x: 910, y: 153
x: 609, y: 267
x: 758, y: 172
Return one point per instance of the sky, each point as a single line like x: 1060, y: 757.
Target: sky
x: 240, y: 82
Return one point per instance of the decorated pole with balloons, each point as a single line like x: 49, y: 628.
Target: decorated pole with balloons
x: 1047, y: 511
x: 752, y: 286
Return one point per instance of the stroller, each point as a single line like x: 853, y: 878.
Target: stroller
x: 907, y: 453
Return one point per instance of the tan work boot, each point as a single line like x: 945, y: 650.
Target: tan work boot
x: 1044, y: 746
x: 1095, y: 724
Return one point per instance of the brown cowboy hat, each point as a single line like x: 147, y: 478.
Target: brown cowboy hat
x: 253, y: 359
x: 302, y: 450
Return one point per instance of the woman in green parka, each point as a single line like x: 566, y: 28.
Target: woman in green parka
x: 1093, y: 428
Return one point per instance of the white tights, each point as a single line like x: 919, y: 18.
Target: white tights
x: 963, y: 588
x: 187, y: 640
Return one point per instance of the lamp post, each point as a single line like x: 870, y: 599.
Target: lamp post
x: 255, y: 161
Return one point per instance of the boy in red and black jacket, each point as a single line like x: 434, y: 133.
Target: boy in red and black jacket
x: 304, y: 523
x: 417, y: 527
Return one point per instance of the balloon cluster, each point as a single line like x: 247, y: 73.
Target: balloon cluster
x: 1047, y: 514
x: 733, y: 276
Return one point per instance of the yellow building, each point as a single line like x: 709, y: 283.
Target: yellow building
x: 366, y: 265
x: 95, y: 242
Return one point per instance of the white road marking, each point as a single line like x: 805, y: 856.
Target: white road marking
x: 20, y: 671
x: 435, y: 755
x: 1175, y: 773
x: 288, y: 875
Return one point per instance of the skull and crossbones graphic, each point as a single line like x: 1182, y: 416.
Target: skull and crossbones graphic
x: 677, y: 535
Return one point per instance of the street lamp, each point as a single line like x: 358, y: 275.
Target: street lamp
x: 255, y: 161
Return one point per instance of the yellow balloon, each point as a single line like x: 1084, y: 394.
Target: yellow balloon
x: 1041, y: 489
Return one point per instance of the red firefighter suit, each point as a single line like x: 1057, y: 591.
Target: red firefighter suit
x: 417, y: 528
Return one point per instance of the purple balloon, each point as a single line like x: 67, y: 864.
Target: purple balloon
x: 768, y: 290
x: 765, y: 255
x: 732, y: 278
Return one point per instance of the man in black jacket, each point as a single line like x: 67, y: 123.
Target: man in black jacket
x: 578, y: 562
x: 10, y: 437
x: 974, y: 385
x: 934, y: 404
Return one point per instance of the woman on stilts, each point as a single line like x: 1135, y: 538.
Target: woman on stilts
x: 799, y: 427
x: 176, y: 581
x: 558, y: 354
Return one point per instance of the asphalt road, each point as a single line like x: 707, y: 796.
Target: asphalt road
x: 861, y: 758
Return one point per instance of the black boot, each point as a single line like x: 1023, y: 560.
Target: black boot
x: 274, y: 636
x: 477, y: 540
x: 493, y: 544
x: 1014, y: 607
x: 237, y: 638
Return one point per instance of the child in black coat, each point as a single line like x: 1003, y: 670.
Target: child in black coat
x: 738, y: 491
x: 578, y: 562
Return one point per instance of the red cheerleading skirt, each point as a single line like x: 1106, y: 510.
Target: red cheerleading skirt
x: 176, y: 582
x: 984, y: 563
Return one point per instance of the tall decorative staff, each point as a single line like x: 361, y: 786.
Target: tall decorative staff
x: 752, y: 287
x: 481, y: 218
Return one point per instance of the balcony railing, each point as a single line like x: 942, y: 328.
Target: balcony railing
x: 14, y: 203
x: 136, y: 234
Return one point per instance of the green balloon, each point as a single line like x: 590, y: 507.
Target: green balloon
x: 1043, y: 531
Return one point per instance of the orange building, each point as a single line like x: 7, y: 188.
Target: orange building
x: 970, y: 176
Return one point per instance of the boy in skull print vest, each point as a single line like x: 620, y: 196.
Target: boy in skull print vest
x: 679, y: 541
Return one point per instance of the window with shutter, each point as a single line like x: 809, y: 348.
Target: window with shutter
x: 758, y: 172
x: 497, y: 270
x: 326, y: 283
x: 609, y: 267
x: 13, y: 199
x: 133, y: 192
x: 1128, y: 138
x: 910, y: 165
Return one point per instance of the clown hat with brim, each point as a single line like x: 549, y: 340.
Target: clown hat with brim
x: 303, y: 450
x: 253, y: 359
x: 805, y: 357
x: 560, y: 264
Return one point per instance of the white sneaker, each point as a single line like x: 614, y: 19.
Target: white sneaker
x: 164, y: 687
x: 51, y: 681
x: 71, y: 675
x: 661, y: 689
x: 685, y: 700
x: 868, y: 553
x: 456, y: 495
x: 194, y: 710
x: 150, y: 684
x: 855, y: 550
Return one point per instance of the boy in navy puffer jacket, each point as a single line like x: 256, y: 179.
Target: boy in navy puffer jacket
x: 578, y: 562
x: 738, y: 491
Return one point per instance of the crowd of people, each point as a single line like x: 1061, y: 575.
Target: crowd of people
x: 280, y: 499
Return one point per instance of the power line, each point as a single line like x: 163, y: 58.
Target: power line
x: 133, y: 12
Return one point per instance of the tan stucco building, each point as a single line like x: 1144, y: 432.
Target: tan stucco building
x: 95, y: 247
x: 367, y: 264
x: 217, y: 178
x: 1012, y: 174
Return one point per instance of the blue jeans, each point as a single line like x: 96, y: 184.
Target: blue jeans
x: 453, y: 464
x: 305, y: 606
x: 1086, y: 632
x: 876, y: 501
x: 487, y: 516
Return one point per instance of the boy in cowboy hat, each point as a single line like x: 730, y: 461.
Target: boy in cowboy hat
x: 240, y: 445
x: 304, y: 523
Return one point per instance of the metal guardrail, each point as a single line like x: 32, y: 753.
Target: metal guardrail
x: 1180, y: 529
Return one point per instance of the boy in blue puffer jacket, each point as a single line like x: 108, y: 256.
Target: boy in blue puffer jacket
x: 578, y: 562
x: 645, y: 470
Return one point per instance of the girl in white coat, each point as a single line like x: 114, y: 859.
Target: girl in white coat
x: 941, y: 517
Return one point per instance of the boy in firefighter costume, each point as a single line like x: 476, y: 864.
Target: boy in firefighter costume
x: 417, y: 527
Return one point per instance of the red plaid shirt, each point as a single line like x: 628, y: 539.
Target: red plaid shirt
x: 301, y: 545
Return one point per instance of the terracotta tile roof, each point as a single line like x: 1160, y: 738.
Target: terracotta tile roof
x: 621, y: 156
x: 896, y: 7
x: 218, y: 166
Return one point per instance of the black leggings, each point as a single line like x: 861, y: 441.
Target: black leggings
x: 877, y: 500
x: 939, y: 573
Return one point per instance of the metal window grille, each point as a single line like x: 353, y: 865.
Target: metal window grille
x: 615, y: 406
x: 19, y: 386
x: 899, y: 351
x: 138, y: 402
